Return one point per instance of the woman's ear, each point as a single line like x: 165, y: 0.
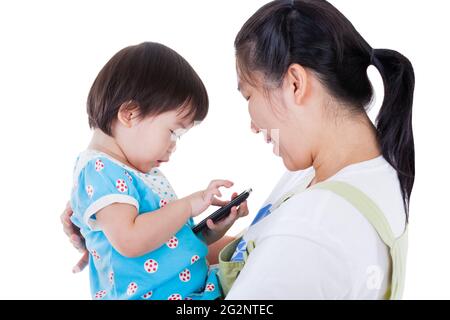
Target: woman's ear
x: 297, y: 79
x: 128, y: 111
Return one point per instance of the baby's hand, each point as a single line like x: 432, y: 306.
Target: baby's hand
x: 201, y: 200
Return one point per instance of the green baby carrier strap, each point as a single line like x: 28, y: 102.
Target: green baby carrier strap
x: 229, y: 270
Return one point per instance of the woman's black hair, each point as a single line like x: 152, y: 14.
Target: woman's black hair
x: 315, y: 35
x: 154, y: 78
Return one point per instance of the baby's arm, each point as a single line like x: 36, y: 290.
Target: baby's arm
x: 133, y: 235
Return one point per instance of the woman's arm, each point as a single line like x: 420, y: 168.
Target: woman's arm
x: 214, y: 249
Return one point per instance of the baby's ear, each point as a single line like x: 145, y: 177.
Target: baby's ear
x: 128, y: 111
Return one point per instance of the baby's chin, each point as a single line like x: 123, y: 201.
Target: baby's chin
x: 147, y: 167
x: 154, y: 164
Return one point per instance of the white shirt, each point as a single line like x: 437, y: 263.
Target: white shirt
x: 318, y: 246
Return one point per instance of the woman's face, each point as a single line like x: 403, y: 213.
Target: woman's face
x: 288, y: 119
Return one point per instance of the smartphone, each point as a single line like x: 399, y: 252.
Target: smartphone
x: 223, y: 211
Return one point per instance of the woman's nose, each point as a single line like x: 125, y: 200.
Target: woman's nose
x: 172, y: 147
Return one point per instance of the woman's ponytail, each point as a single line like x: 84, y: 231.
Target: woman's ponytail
x: 394, y: 121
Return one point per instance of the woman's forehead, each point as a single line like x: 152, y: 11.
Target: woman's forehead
x: 251, y: 80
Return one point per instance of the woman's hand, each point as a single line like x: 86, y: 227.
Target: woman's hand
x: 217, y: 230
x: 75, y: 238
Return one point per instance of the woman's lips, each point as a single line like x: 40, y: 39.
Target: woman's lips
x: 275, y: 148
x: 274, y: 143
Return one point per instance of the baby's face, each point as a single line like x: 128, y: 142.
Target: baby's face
x: 152, y: 140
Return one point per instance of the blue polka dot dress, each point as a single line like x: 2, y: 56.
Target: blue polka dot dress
x: 175, y: 271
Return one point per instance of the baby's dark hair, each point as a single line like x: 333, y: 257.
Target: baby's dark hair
x: 151, y: 76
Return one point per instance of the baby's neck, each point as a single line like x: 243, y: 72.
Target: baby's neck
x: 107, y: 144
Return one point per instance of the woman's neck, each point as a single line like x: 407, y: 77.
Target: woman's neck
x: 349, y: 140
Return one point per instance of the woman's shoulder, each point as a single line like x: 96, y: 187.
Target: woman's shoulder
x: 377, y: 179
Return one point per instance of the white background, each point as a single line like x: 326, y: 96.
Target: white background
x: 50, y: 53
